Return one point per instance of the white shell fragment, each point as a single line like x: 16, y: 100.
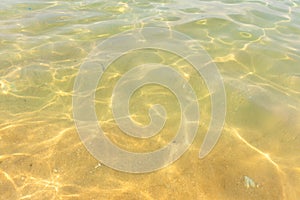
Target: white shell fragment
x: 249, y: 182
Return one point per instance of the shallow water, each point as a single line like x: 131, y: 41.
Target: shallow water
x: 254, y: 44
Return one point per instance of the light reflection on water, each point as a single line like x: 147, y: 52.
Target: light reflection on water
x: 255, y: 45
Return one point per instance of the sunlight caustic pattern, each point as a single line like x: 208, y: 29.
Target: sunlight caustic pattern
x: 255, y: 45
x: 150, y: 73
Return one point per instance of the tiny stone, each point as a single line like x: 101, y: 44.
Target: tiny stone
x: 98, y: 165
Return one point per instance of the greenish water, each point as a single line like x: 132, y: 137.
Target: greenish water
x: 255, y: 45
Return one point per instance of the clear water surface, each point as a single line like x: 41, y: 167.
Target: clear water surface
x: 255, y: 45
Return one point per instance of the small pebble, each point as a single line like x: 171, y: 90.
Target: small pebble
x: 98, y: 165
